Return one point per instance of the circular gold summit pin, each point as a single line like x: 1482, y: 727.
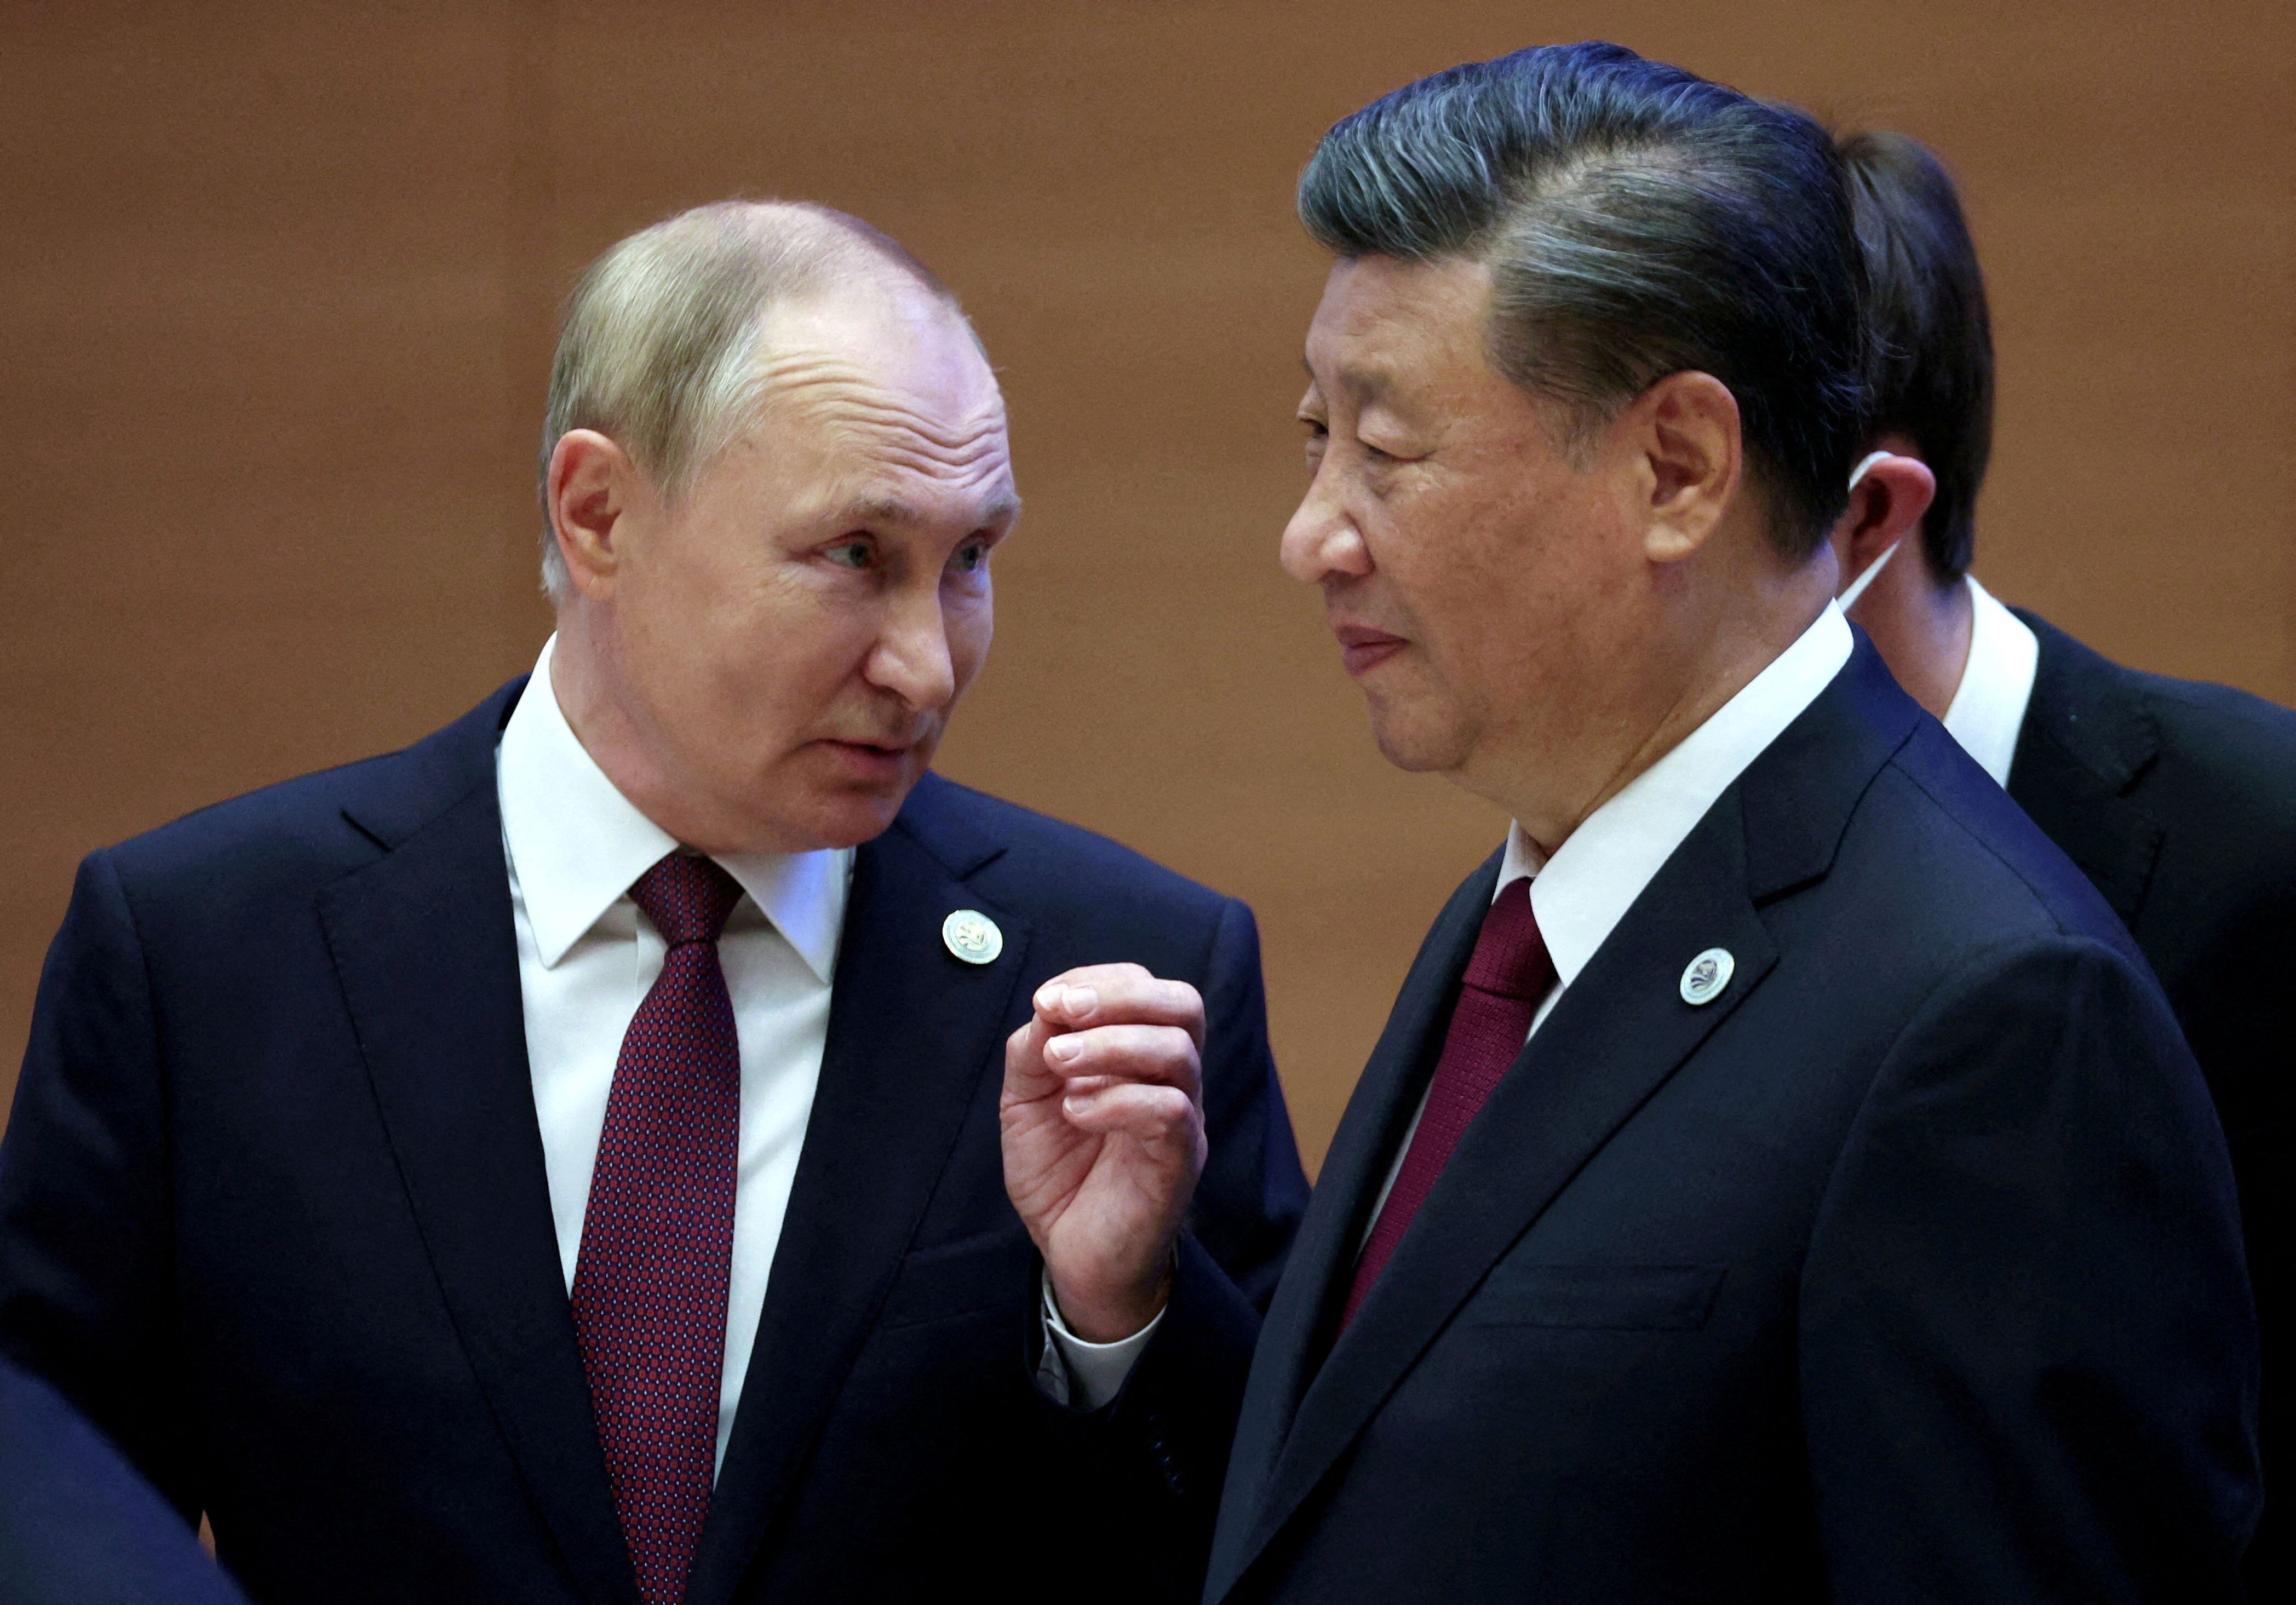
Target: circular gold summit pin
x: 973, y: 937
x: 1707, y: 974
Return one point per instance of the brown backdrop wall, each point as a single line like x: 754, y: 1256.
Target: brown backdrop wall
x: 276, y: 291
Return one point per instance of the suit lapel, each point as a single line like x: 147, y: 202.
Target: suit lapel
x: 1291, y: 1338
x: 424, y: 946
x: 1615, y: 1036
x: 1612, y: 1041
x: 2085, y: 742
x: 911, y: 1031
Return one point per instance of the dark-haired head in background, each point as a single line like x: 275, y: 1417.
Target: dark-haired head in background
x: 2178, y: 799
x: 1779, y: 1179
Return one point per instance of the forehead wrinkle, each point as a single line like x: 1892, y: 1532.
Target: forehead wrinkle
x: 847, y: 396
x: 959, y: 440
x: 892, y: 451
x: 890, y: 454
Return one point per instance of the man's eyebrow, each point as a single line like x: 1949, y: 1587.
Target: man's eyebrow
x: 1367, y: 383
x: 877, y: 510
x: 867, y: 510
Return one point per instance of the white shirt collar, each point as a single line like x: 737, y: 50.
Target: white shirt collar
x: 575, y: 843
x: 1581, y: 894
x: 1989, y: 706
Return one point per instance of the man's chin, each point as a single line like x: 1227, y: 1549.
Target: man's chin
x: 846, y: 817
x: 1412, y: 745
x: 821, y: 818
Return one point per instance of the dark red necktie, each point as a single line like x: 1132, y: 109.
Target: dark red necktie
x: 1498, y: 996
x: 657, y: 1237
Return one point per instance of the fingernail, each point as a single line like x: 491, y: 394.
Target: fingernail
x: 1047, y: 998
x: 1081, y: 1001
x: 1063, y: 1048
x: 1077, y: 1104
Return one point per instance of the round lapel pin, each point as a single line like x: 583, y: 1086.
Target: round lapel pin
x: 1707, y: 974
x: 972, y: 937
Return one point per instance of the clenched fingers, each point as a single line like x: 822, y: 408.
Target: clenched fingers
x: 1154, y: 1055
x: 1152, y: 1114
x: 1103, y: 995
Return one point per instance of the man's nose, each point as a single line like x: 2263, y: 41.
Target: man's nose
x: 1321, y: 540
x: 911, y: 657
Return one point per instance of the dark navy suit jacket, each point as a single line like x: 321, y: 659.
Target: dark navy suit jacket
x: 1907, y: 1268
x: 2178, y: 801
x: 272, y: 1209
x: 77, y: 1523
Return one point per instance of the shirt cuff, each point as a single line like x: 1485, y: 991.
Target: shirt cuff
x: 1085, y: 1375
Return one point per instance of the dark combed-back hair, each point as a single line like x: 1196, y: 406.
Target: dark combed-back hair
x: 1931, y: 340
x: 1639, y: 221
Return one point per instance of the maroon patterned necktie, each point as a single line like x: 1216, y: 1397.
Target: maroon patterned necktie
x: 1498, y: 997
x: 657, y: 1237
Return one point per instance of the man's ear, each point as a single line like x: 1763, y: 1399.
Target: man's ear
x: 1686, y: 427
x: 1884, y: 509
x: 589, y: 489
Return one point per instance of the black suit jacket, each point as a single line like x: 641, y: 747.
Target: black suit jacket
x: 76, y: 1524
x: 1908, y: 1268
x: 272, y: 1209
x: 2178, y: 800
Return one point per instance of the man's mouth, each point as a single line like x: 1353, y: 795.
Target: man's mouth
x: 872, y: 760
x: 1363, y: 648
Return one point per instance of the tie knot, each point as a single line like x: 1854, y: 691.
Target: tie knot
x: 1509, y: 956
x: 687, y: 898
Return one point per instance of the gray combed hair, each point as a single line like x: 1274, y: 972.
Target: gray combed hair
x: 1637, y: 221
x: 657, y: 349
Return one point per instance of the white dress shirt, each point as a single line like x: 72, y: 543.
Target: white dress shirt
x: 1580, y: 894
x: 1989, y: 706
x: 586, y: 958
x: 1074, y: 1370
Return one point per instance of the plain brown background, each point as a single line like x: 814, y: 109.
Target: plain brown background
x: 277, y: 284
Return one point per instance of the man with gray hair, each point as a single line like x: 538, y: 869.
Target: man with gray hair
x: 1780, y: 1178
x: 569, y: 1159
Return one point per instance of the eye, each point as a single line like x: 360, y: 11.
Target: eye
x: 971, y: 557
x: 850, y: 553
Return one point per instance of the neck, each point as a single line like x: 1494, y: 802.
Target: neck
x: 1740, y: 643
x: 1920, y: 627
x: 612, y: 729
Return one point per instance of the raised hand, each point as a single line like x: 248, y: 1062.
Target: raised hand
x: 1103, y: 1128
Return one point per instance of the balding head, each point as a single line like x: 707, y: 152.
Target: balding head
x: 660, y: 349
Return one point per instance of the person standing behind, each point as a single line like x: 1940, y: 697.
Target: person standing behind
x: 561, y: 1160
x: 2178, y: 799
x: 1780, y: 1178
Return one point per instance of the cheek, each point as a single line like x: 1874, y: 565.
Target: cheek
x: 784, y: 650
x: 1448, y: 577
x: 970, y: 620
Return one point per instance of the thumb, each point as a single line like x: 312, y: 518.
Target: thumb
x: 1026, y: 1076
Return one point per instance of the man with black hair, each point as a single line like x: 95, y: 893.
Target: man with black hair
x: 2177, y: 799
x: 1780, y: 1178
